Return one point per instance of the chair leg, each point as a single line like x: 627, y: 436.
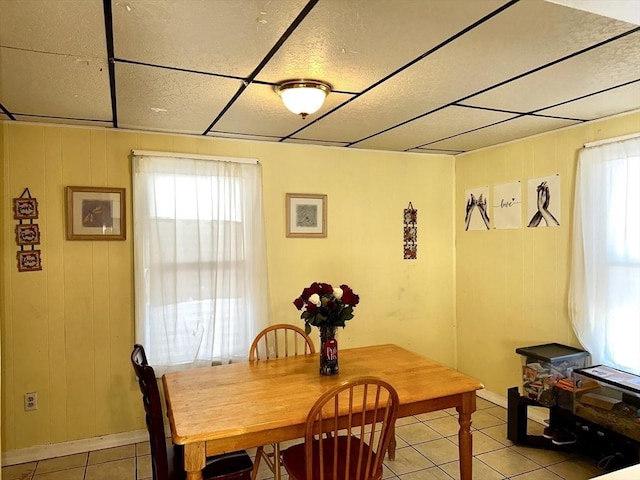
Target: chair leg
x: 256, y: 463
x: 392, y: 443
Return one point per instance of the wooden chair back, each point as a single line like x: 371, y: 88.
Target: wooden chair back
x: 348, y: 430
x: 153, y: 412
x: 279, y: 341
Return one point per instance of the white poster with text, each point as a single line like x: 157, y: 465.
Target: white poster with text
x: 507, y: 205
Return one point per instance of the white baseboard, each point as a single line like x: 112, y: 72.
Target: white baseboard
x: 41, y: 452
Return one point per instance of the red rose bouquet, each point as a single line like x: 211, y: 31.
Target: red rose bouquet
x: 325, y: 306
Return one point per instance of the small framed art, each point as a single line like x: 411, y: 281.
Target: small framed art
x: 25, y: 208
x: 29, y: 260
x: 96, y: 213
x: 27, y: 234
x: 306, y: 215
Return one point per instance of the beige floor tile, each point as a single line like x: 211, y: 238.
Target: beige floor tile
x: 70, y: 474
x: 19, y: 472
x: 423, y: 417
x: 116, y: 470
x: 541, y: 474
x: 439, y: 451
x: 534, y: 428
x: 445, y: 426
x: 388, y: 474
x: 575, y: 470
x: 480, y: 471
x: 543, y: 456
x: 508, y: 462
x: 143, y: 448
x: 481, y: 419
x: 111, y: 454
x: 62, y: 463
x: 416, y: 433
x: 433, y: 473
x: 481, y: 404
x: 498, y: 412
x: 499, y: 433
x: 481, y: 443
x: 408, y: 460
x: 143, y: 466
x: 406, y: 421
x: 400, y: 443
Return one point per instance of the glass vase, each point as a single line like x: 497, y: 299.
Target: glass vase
x: 328, y: 351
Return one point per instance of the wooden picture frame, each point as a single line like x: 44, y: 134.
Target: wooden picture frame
x: 27, y: 234
x: 29, y: 261
x: 306, y: 215
x: 96, y: 213
x: 25, y: 208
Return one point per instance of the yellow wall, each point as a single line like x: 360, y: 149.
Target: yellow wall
x: 511, y: 285
x: 67, y: 331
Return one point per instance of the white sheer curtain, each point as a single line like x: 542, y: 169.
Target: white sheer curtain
x: 199, y: 259
x: 604, y: 293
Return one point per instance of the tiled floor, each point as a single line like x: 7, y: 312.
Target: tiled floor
x: 427, y: 449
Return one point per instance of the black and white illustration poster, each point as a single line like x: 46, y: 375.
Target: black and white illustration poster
x: 507, y: 205
x: 543, y: 202
x: 476, y: 216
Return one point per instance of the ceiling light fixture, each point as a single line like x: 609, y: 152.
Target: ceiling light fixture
x: 303, y: 97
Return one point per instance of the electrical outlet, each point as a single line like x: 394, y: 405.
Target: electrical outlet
x: 30, y: 401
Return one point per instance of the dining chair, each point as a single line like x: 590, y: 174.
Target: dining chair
x: 167, y: 459
x: 347, y: 433
x: 280, y: 340
x: 277, y: 341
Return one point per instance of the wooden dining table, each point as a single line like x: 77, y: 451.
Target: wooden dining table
x: 214, y: 410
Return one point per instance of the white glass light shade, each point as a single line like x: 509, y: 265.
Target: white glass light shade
x: 303, y: 97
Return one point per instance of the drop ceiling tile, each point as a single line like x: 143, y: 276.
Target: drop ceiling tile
x: 167, y: 100
x: 607, y: 103
x: 238, y: 136
x: 65, y: 121
x: 352, y: 44
x: 315, y: 142
x: 53, y: 85
x: 583, y: 74
x: 501, y: 133
x: 436, y: 126
x: 435, y: 151
x: 215, y: 36
x: 72, y: 27
x: 519, y: 39
x: 260, y: 111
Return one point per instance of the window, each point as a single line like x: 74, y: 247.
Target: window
x: 605, y: 275
x: 199, y: 259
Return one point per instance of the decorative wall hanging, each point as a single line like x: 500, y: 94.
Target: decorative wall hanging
x: 306, y: 215
x: 476, y: 215
x: 96, y: 213
x: 28, y: 234
x: 410, y: 233
x: 507, y: 205
x: 543, y: 204
x: 25, y: 210
x: 29, y: 261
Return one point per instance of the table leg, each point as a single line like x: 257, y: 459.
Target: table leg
x: 276, y: 461
x: 194, y: 460
x: 465, y: 449
x: 392, y: 443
